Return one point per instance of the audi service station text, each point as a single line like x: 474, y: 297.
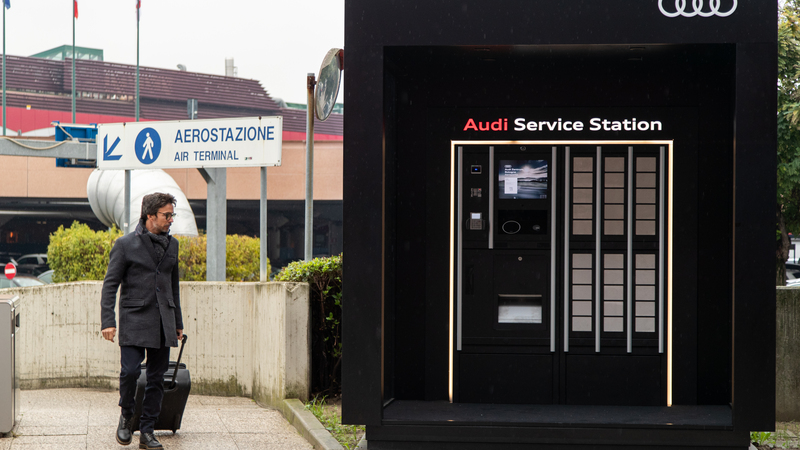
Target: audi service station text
x: 595, y: 124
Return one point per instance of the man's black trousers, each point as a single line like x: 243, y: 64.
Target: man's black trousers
x: 157, y: 364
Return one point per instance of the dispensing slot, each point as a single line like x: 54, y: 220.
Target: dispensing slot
x: 512, y: 308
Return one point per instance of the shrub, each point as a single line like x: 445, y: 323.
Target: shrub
x: 242, y: 258
x: 80, y: 253
x: 324, y: 275
x: 192, y: 258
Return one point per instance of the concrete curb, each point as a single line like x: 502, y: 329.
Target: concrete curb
x: 307, y: 425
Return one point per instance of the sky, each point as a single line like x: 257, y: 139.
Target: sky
x: 277, y: 42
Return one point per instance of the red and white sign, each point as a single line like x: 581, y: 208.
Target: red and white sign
x: 11, y: 270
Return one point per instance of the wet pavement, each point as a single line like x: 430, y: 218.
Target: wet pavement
x: 67, y: 419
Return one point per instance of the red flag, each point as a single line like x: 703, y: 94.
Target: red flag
x: 75, y: 8
x: 138, y: 9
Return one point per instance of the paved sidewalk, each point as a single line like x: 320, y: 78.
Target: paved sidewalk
x: 68, y: 419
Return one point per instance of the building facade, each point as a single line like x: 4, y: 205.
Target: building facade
x: 37, y: 196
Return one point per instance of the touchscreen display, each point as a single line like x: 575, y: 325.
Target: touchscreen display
x: 522, y: 179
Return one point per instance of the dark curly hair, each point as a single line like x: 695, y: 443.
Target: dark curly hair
x: 151, y: 203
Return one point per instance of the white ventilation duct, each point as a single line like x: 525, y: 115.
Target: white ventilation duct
x: 106, y: 191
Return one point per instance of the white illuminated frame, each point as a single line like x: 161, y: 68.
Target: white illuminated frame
x: 664, y: 222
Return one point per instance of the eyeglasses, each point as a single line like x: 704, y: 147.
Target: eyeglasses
x: 168, y: 215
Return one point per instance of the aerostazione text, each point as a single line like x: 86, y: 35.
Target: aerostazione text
x: 223, y: 134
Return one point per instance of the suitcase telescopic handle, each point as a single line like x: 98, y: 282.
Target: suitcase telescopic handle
x: 178, y: 363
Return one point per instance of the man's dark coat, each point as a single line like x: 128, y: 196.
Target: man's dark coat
x: 150, y: 294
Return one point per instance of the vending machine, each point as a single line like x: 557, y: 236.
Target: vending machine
x: 561, y: 272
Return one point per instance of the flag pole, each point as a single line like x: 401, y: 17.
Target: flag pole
x: 73, y: 61
x: 137, y: 64
x: 4, y: 69
x: 127, y: 189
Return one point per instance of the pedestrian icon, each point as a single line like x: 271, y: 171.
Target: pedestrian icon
x: 147, y: 146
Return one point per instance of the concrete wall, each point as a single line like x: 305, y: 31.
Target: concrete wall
x: 787, y: 361
x: 244, y: 339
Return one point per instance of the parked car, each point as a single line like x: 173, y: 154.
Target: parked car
x: 46, y: 277
x: 8, y: 256
x: 793, y: 274
x: 20, y: 281
x: 32, y: 264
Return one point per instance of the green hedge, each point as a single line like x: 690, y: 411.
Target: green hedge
x: 242, y: 258
x: 192, y: 258
x: 324, y: 275
x: 80, y: 253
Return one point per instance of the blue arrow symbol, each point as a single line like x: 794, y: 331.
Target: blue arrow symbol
x: 107, y: 156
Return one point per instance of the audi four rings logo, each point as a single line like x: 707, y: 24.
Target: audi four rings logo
x: 697, y: 9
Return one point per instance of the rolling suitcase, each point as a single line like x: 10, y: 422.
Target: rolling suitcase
x: 177, y: 384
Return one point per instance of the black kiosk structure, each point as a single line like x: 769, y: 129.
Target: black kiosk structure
x: 559, y: 223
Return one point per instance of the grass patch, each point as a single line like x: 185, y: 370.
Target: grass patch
x: 329, y: 414
x: 762, y: 438
x: 786, y: 436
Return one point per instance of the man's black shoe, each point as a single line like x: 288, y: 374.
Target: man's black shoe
x: 124, y: 431
x: 148, y: 441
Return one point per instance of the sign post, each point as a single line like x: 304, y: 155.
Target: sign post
x: 322, y: 93
x: 308, y: 245
x: 206, y: 145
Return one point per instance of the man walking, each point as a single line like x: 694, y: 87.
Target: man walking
x: 145, y: 263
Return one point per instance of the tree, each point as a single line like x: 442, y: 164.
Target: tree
x: 788, y: 201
